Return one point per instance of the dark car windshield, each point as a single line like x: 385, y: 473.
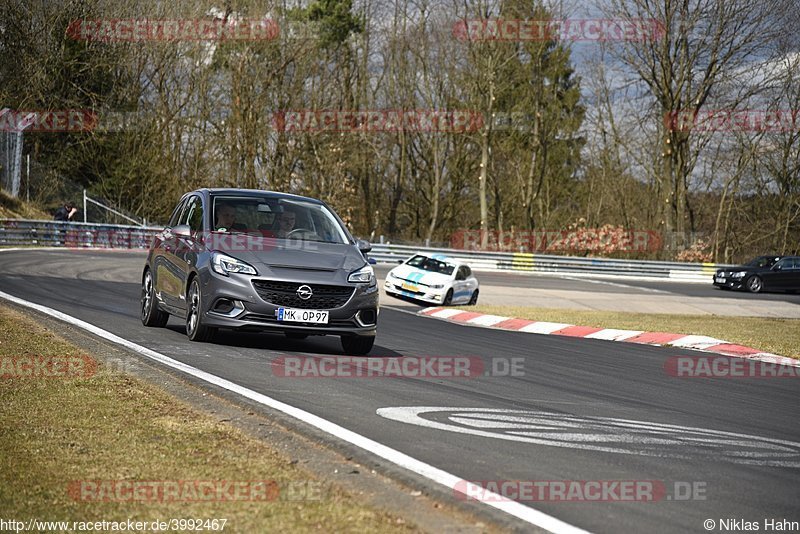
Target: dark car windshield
x: 763, y: 261
x: 279, y: 218
x: 429, y: 264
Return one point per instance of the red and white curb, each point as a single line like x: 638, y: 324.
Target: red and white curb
x: 684, y: 341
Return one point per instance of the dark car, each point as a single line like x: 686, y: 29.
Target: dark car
x: 764, y: 273
x: 254, y: 260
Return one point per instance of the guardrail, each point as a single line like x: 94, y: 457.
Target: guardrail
x: 22, y: 232
x: 528, y: 262
x: 18, y: 232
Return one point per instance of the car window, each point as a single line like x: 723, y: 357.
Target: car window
x: 194, y: 214
x: 467, y: 271
x: 190, y: 212
x: 784, y: 264
x: 461, y: 274
x: 763, y: 261
x: 173, y: 221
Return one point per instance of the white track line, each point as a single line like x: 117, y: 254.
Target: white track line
x: 520, y: 511
x: 606, y: 283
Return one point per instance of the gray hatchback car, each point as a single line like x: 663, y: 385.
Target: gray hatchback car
x: 254, y: 260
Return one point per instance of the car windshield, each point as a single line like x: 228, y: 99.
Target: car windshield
x: 429, y: 264
x: 279, y: 218
x: 763, y: 261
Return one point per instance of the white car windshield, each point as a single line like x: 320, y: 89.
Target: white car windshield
x: 429, y: 264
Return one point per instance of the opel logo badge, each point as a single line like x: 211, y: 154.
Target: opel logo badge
x: 304, y: 292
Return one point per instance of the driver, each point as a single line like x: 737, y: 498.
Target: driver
x: 226, y: 218
x: 286, y: 222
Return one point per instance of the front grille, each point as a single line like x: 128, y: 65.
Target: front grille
x: 284, y: 294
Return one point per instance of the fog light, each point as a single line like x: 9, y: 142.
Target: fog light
x: 227, y: 307
x: 366, y: 317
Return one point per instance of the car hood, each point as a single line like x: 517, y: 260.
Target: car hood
x: 419, y: 275
x: 739, y: 268
x: 268, y: 254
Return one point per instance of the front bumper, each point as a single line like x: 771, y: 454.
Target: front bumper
x: 233, y: 302
x: 728, y: 282
x: 425, y: 294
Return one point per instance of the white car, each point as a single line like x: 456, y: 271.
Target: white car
x: 436, y: 279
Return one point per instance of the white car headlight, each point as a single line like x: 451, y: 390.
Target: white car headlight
x: 364, y: 275
x: 436, y: 286
x: 392, y: 275
x: 738, y: 275
x: 224, y: 265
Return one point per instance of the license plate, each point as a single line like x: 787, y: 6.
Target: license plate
x: 719, y: 280
x: 410, y: 287
x: 302, y: 316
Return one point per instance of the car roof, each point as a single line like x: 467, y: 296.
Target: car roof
x: 253, y: 193
x: 443, y: 258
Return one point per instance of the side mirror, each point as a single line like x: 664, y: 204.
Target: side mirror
x: 777, y: 267
x: 363, y: 246
x: 182, y: 230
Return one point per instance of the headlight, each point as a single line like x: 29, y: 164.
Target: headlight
x: 436, y: 286
x: 738, y: 275
x: 362, y: 276
x: 224, y: 265
x: 392, y: 275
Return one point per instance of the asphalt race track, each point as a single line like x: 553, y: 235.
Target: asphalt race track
x: 584, y: 410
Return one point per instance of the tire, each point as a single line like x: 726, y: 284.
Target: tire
x: 754, y: 284
x: 448, y: 298
x: 357, y: 345
x: 473, y: 300
x: 195, y: 329
x: 295, y: 335
x: 150, y: 314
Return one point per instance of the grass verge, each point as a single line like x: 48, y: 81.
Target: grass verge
x: 16, y: 208
x: 779, y: 336
x: 111, y: 427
